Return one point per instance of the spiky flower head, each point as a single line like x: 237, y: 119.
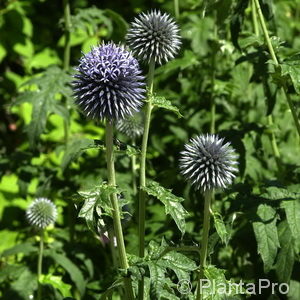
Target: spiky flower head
x: 41, y: 213
x: 208, y: 162
x: 109, y: 84
x: 154, y: 35
x: 132, y: 126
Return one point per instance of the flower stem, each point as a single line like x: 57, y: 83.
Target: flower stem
x: 142, y: 193
x: 116, y: 211
x: 204, y: 243
x: 133, y: 171
x: 271, y: 134
x: 274, y: 58
x: 40, y: 264
x: 176, y: 8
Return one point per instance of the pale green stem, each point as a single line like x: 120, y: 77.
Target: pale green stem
x: 274, y: 58
x: 133, y: 171
x: 40, y: 264
x: 111, y: 237
x: 254, y: 18
x: 176, y: 8
x: 116, y: 211
x: 271, y: 134
x: 204, y: 242
x: 142, y: 193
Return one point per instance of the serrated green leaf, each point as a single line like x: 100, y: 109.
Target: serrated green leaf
x: 56, y: 282
x: 49, y: 84
x: 97, y: 204
x: 286, y: 255
x: 276, y: 193
x: 292, y: 211
x: 24, y: 248
x: 171, y: 202
x: 11, y: 272
x: 25, y: 284
x: 75, y: 148
x: 161, y: 102
x: 266, y: 235
x: 91, y: 20
x: 291, y: 68
x: 74, y: 272
x: 221, y: 228
x: 179, y: 263
x: 251, y: 40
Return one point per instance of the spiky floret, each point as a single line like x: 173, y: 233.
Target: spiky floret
x: 41, y: 213
x: 154, y: 34
x: 208, y: 163
x: 109, y: 84
x: 132, y: 126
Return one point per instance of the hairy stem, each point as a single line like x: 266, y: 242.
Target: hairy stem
x: 274, y: 58
x: 142, y: 193
x: 116, y: 211
x: 39, y: 265
x: 204, y: 243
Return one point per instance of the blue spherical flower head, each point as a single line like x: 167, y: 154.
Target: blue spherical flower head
x: 41, y: 213
x: 208, y: 162
x: 154, y: 35
x: 109, y: 85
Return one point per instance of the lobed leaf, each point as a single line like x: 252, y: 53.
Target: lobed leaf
x: 53, y: 82
x: 171, y: 202
x: 221, y: 228
x: 161, y: 102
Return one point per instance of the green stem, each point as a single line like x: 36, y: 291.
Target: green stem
x: 111, y: 237
x: 142, y: 193
x: 274, y: 143
x: 133, y: 171
x: 39, y: 266
x: 272, y: 136
x: 254, y: 18
x: 274, y: 58
x: 116, y: 211
x: 176, y: 8
x: 204, y: 244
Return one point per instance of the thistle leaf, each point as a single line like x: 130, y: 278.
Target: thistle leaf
x: 49, y: 86
x: 171, y: 202
x: 161, y: 102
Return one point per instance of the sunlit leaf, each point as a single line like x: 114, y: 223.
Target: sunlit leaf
x: 171, y: 202
x: 266, y: 235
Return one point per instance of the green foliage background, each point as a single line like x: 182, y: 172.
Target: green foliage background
x: 47, y: 148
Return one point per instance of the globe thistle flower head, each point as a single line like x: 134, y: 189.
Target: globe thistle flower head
x: 132, y: 126
x: 154, y: 35
x: 208, y: 163
x: 41, y: 213
x: 109, y: 84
